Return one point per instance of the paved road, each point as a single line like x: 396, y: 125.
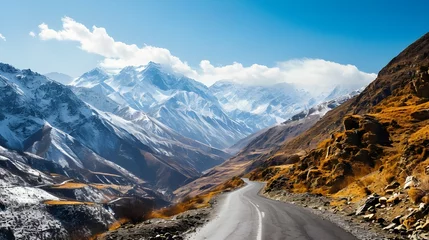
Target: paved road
x: 244, y: 215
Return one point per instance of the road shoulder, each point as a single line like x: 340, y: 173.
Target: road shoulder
x: 320, y: 205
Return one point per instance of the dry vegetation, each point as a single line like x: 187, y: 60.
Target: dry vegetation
x: 69, y: 185
x: 199, y: 201
x: 66, y: 202
x: 121, y: 188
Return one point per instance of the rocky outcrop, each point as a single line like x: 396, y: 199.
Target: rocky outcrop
x: 328, y: 167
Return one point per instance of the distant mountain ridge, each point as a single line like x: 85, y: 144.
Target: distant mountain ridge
x: 264, y: 106
x: 59, y: 77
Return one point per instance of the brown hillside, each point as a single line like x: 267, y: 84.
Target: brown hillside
x: 399, y: 78
x: 258, y: 149
x: 378, y: 137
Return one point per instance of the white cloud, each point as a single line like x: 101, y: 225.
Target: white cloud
x: 32, y: 34
x: 304, y: 72
x: 2, y: 37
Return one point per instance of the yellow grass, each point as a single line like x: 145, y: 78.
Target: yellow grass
x: 118, y: 224
x: 70, y: 185
x: 199, y: 201
x: 66, y: 202
x: 121, y: 188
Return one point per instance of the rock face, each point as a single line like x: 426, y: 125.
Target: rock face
x: 360, y: 145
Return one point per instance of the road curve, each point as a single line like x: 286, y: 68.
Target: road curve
x: 244, y: 215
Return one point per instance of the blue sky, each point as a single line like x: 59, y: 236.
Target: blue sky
x: 366, y: 34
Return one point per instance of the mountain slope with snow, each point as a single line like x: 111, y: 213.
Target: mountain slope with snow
x: 48, y: 119
x: 261, y: 106
x: 182, y: 104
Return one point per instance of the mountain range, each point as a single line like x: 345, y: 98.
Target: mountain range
x: 129, y: 139
x: 182, y: 104
x: 46, y: 118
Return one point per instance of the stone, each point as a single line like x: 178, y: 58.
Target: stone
x: 424, y: 227
x: 390, y: 226
x: 393, y: 185
x: 351, y: 122
x: 393, y: 200
x: 389, y: 191
x: 369, y: 217
x: 382, y: 200
x: 400, y: 228
x: 371, y: 201
x: 352, y: 138
x: 410, y: 181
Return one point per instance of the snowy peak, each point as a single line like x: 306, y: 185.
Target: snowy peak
x: 48, y: 119
x: 180, y: 103
x: 91, y: 78
x: 260, y: 106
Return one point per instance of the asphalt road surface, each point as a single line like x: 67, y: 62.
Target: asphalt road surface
x: 244, y: 215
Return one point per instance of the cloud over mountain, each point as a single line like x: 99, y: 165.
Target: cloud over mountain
x: 306, y: 73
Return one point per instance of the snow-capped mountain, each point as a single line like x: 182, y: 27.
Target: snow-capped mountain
x: 182, y: 104
x: 48, y: 119
x: 261, y: 106
x: 275, y: 135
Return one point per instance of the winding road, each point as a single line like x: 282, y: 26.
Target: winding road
x: 245, y: 215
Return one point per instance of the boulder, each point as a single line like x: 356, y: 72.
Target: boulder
x: 352, y: 138
x: 371, y: 125
x: 370, y: 138
x: 382, y: 200
x: 390, y: 226
x: 410, y: 181
x: 371, y: 201
x: 351, y: 122
x: 421, y: 115
x: 363, y: 156
x: 369, y: 217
